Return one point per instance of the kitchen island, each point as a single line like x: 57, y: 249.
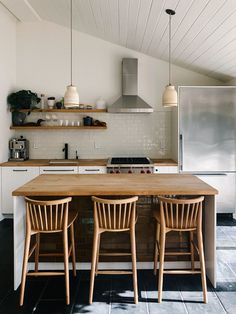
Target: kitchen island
x: 151, y: 185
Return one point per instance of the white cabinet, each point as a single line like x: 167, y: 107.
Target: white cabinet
x: 166, y: 169
x: 92, y: 169
x: 12, y: 178
x: 58, y: 170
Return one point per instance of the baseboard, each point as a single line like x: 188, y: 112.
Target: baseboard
x: 6, y: 216
x: 112, y: 265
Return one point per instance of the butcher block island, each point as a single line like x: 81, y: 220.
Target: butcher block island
x: 81, y: 187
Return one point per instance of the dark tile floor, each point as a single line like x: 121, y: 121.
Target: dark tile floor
x: 182, y: 294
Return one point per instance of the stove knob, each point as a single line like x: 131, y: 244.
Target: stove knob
x: 148, y: 171
x: 117, y: 171
x: 111, y: 171
x: 130, y: 171
x: 142, y: 171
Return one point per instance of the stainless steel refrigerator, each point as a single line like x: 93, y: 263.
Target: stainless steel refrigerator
x: 207, y: 139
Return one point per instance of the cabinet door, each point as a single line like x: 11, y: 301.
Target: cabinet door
x: 12, y: 178
x: 58, y: 170
x: 92, y: 169
x: 173, y: 169
x: 225, y: 183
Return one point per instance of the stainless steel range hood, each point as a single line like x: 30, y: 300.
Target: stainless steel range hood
x: 130, y: 102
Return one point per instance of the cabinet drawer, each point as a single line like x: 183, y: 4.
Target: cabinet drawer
x: 161, y: 169
x: 92, y: 170
x: 58, y: 170
x: 166, y: 169
x: 13, y: 178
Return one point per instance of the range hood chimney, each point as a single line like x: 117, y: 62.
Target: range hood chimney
x: 130, y: 102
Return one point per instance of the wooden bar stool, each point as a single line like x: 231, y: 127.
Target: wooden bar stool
x: 179, y: 215
x: 114, y: 216
x: 48, y: 217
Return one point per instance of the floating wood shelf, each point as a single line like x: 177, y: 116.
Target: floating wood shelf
x: 65, y: 110
x: 57, y: 127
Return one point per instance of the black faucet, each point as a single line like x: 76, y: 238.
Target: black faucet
x: 65, y: 149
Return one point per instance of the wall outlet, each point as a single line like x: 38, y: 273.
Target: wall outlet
x: 35, y: 146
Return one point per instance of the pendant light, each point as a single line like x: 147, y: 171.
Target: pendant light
x: 169, y: 97
x: 71, y: 97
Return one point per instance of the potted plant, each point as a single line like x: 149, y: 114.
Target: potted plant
x: 23, y: 99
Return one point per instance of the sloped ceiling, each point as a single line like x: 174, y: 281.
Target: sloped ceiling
x: 203, y: 31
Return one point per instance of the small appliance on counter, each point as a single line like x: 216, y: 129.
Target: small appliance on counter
x: 19, y: 149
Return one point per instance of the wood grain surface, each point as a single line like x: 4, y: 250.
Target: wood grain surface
x: 115, y: 184
x: 79, y: 162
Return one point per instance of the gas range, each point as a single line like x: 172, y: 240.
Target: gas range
x: 130, y: 165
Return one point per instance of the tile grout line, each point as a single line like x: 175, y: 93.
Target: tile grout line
x: 40, y: 296
x: 182, y: 298
x: 75, y: 294
x: 110, y: 303
x: 221, y: 303
x: 227, y: 263
x: 147, y: 304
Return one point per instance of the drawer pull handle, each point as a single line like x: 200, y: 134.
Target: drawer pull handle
x: 92, y: 170
x: 59, y: 170
x: 20, y: 170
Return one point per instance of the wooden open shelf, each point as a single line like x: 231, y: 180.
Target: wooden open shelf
x: 65, y: 110
x: 58, y: 128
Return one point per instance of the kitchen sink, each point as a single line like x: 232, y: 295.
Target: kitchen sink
x: 63, y: 161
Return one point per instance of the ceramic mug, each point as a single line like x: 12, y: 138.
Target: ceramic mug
x: 51, y: 102
x: 88, y: 121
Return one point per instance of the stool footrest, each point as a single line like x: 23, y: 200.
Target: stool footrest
x: 114, y: 254
x: 177, y: 253
x: 44, y: 273
x: 114, y: 272
x: 179, y: 272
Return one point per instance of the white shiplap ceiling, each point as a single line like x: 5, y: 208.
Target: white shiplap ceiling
x: 203, y: 31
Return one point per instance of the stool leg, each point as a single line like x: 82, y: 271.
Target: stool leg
x: 66, y: 266
x: 36, y: 268
x: 93, y: 265
x: 24, y: 267
x: 134, y: 267
x: 97, y: 259
x: 161, y: 264
x: 72, y: 239
x: 191, y: 249
x: 202, y: 264
x: 156, y: 248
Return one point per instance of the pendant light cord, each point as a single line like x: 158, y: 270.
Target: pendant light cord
x: 169, y: 49
x: 71, y: 47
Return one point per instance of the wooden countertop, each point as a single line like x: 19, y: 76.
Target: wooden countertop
x: 119, y: 184
x: 164, y: 162
x: 46, y: 162
x: 79, y: 162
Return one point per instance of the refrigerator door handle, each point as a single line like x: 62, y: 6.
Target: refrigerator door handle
x: 181, y: 150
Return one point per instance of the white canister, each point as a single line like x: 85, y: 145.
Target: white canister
x: 51, y: 102
x: 101, y: 103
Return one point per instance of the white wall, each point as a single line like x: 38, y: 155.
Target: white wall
x: 43, y: 66
x: 8, y: 75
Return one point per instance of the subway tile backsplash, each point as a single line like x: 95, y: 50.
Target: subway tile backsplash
x: 126, y: 135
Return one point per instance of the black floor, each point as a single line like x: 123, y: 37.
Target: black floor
x: 182, y: 294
